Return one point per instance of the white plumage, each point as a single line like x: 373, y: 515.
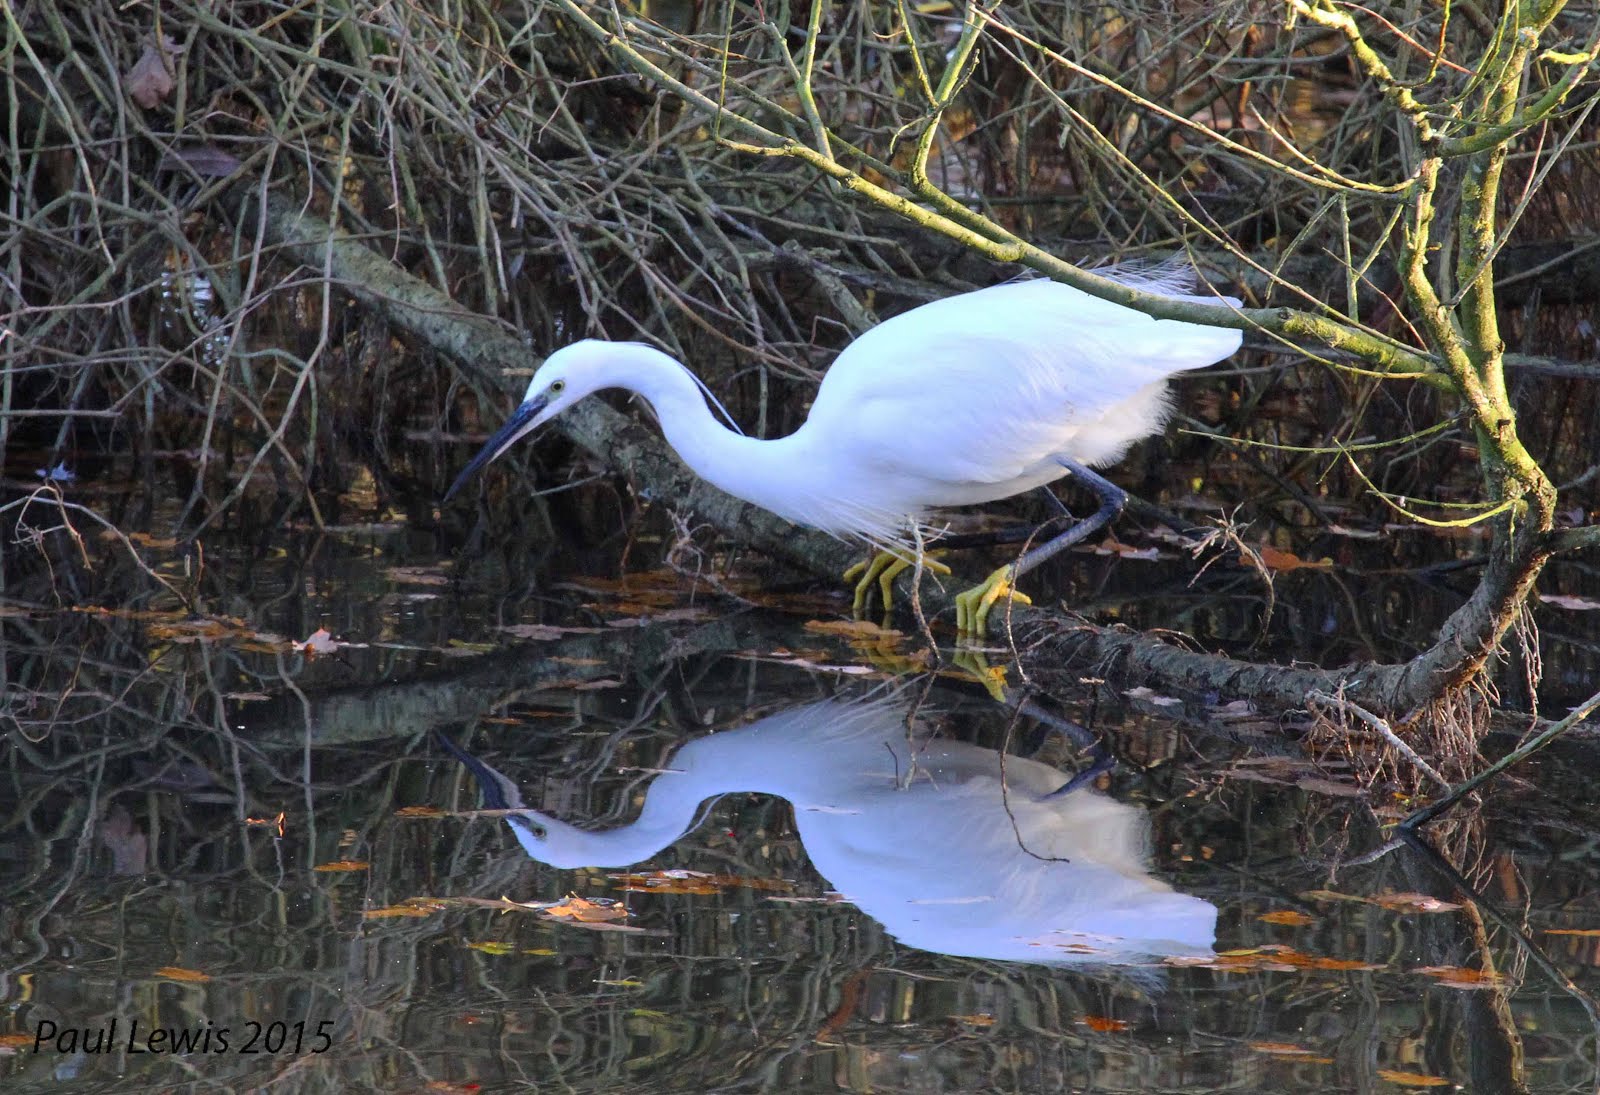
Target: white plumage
x: 965, y: 400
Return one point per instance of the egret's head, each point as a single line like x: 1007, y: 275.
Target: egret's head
x: 566, y: 376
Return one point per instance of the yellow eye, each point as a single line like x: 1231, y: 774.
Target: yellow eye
x: 557, y: 387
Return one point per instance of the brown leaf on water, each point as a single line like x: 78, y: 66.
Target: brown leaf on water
x: 1290, y: 917
x: 1102, y: 1024
x: 650, y: 616
x: 419, y: 811
x: 412, y: 907
x: 491, y: 948
x: 1414, y: 1079
x: 1272, y: 956
x: 584, y: 911
x: 1412, y: 902
x: 178, y: 973
x: 1395, y: 902
x: 342, y: 865
x: 695, y: 882
x: 1284, y: 561
x: 1318, y: 786
x: 1461, y: 977
x: 150, y: 80
x: 1289, y: 1049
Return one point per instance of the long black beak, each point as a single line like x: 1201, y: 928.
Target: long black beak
x: 520, y: 422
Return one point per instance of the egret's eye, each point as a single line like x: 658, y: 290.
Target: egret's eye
x: 557, y: 387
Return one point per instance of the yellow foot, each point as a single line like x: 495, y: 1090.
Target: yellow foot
x: 881, y: 570
x: 972, y: 607
x: 977, y: 668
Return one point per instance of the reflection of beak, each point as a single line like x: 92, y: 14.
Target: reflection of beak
x: 522, y: 420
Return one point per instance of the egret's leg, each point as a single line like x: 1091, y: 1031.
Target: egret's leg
x: 881, y: 571
x: 1101, y: 759
x: 973, y: 606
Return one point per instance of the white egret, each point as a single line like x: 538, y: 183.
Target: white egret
x: 925, y: 836
x: 965, y: 400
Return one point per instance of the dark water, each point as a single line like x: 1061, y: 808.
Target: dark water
x: 822, y: 870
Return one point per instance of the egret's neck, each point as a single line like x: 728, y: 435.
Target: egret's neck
x: 773, y: 474
x: 802, y: 755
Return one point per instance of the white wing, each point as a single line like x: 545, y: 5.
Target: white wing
x: 980, y: 388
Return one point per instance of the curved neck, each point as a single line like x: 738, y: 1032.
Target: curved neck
x: 666, y: 817
x: 775, y: 474
x: 807, y: 753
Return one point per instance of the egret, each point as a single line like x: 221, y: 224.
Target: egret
x: 948, y: 845
x: 964, y: 400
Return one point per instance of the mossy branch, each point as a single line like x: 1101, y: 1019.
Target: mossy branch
x: 996, y: 243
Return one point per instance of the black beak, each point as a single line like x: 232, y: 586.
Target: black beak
x: 518, y: 424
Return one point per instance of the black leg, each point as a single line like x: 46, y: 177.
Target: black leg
x: 1112, y: 499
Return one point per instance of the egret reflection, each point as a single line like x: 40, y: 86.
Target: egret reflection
x: 918, y: 832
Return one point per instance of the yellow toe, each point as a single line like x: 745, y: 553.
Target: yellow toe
x: 973, y: 606
x: 881, y: 571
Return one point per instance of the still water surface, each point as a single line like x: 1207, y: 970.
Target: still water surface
x: 768, y: 855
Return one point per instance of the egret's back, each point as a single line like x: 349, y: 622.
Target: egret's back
x: 972, y: 398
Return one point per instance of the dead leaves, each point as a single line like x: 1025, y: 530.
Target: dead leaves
x: 1394, y: 902
x: 178, y: 973
x: 595, y: 915
x: 151, y: 79
x: 694, y: 882
x: 1271, y: 957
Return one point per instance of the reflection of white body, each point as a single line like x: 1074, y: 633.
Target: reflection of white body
x: 918, y: 835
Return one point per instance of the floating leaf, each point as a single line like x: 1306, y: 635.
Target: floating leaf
x: 491, y: 948
x: 178, y: 973
x: 1102, y: 1024
x: 1461, y: 977
x: 854, y: 629
x: 1291, y: 917
x: 1284, y: 561
x: 342, y: 865
x: 411, y: 907
x: 1284, y: 1049
x: 1412, y: 902
x: 1413, y: 1079
x: 1270, y: 957
x: 419, y: 811
x: 694, y: 882
x: 585, y: 911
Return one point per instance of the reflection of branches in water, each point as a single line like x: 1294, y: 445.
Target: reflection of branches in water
x: 740, y: 991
